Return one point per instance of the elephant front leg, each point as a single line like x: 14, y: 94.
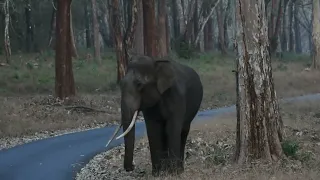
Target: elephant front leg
x: 155, y: 133
x: 174, y: 147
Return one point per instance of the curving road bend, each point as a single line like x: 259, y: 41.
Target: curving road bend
x: 61, y: 157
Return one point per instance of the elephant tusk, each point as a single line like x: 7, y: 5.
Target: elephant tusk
x: 130, y: 126
x: 114, y: 135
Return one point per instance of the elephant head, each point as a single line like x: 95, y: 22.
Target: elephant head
x: 145, y: 80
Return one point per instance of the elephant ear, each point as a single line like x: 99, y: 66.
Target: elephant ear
x: 164, y: 74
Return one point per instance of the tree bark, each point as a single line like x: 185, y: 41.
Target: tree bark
x: 298, y: 47
x: 138, y: 43
x: 150, y: 28
x: 162, y: 27
x: 53, y: 25
x: 260, y: 123
x: 290, y: 28
x: 316, y: 33
x: 284, y: 41
x: 96, y: 39
x: 7, y: 46
x: 74, y: 52
x: 222, y: 43
x: 64, y: 85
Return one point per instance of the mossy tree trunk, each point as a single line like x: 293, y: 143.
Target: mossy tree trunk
x: 259, y: 130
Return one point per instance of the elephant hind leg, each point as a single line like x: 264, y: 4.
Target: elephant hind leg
x: 184, y: 137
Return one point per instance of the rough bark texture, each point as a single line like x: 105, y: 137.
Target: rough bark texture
x: 316, y: 33
x: 64, y: 86
x: 260, y: 123
x: 162, y: 27
x: 7, y: 46
x: 96, y: 39
x: 150, y: 28
x: 123, y: 43
x: 119, y: 46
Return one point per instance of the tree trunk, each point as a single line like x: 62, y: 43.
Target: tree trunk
x: 225, y: 24
x: 162, y: 27
x: 121, y: 60
x: 138, y: 43
x: 87, y: 24
x: 220, y: 29
x: 7, y: 46
x: 149, y: 28
x: 74, y: 52
x: 175, y: 20
x: 96, y: 33
x: 284, y: 41
x: 123, y: 43
x: 53, y: 26
x: 297, y: 33
x: 290, y: 28
x: 316, y: 33
x: 260, y: 123
x: 29, y: 27
x: 64, y: 85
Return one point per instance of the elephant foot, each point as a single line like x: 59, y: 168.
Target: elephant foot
x: 129, y: 167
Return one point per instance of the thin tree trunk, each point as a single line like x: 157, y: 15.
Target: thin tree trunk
x: 53, y: 25
x: 284, y: 41
x: 297, y: 33
x: 87, y: 24
x: 64, y: 85
x: 74, y: 52
x: 96, y: 39
x: 222, y: 43
x: 260, y: 121
x: 316, y: 33
x: 29, y: 27
x: 150, y: 28
x: 290, y: 28
x: 7, y: 45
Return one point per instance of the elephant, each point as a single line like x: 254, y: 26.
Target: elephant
x: 169, y: 95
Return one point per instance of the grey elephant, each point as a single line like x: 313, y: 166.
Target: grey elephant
x: 169, y: 95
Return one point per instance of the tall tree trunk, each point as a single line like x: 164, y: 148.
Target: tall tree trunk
x: 162, y: 27
x: 74, y: 52
x: 7, y: 46
x: 53, y: 26
x: 29, y: 26
x: 149, y: 28
x: 225, y: 24
x: 220, y: 28
x: 121, y: 60
x: 260, y: 123
x: 96, y: 33
x: 175, y: 23
x: 316, y: 33
x: 87, y: 24
x: 290, y: 28
x: 284, y: 41
x: 64, y: 85
x: 138, y: 43
x: 182, y: 25
x: 297, y: 28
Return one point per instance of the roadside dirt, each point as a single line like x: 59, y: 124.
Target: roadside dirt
x: 210, y: 150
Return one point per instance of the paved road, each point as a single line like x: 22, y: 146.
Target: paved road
x: 60, y: 158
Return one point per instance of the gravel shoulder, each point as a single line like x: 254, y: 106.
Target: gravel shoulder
x: 210, y: 148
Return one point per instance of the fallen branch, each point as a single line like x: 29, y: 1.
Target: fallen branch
x: 84, y: 109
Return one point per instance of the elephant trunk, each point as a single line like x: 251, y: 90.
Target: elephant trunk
x: 129, y: 112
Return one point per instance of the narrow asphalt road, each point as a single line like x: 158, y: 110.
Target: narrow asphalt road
x: 61, y: 157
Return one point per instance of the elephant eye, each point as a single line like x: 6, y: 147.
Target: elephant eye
x: 138, y: 84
